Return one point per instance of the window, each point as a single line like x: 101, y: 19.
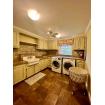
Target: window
x: 65, y: 49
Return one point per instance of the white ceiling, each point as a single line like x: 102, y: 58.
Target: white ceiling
x: 67, y: 17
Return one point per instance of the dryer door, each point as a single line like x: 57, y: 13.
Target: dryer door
x: 55, y: 64
x: 67, y: 65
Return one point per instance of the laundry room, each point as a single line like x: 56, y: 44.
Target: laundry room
x: 51, y: 52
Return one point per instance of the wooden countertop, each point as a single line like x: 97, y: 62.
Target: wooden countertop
x: 20, y: 62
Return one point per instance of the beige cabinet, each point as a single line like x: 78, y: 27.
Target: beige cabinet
x: 80, y: 63
x: 45, y: 44
x: 43, y: 63
x: 42, y: 44
x: 27, y: 39
x: 15, y: 39
x: 46, y: 63
x: 79, y: 43
x: 19, y: 73
x: 37, y: 68
x: 52, y: 44
x: 30, y: 70
x: 49, y: 62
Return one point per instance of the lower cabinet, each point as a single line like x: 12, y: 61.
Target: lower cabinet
x: 37, y: 68
x: 43, y: 63
x: 30, y: 70
x: 19, y: 73
x: 80, y: 63
x: 23, y: 71
x: 49, y: 63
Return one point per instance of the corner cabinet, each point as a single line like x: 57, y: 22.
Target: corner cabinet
x: 79, y: 43
x: 15, y: 39
x: 19, y: 73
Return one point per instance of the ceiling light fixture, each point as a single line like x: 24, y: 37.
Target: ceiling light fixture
x: 33, y: 14
x: 54, y: 34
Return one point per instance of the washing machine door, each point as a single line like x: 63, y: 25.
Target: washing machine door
x: 67, y: 65
x: 55, y: 64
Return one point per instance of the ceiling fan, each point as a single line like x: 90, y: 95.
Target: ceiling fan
x: 54, y: 34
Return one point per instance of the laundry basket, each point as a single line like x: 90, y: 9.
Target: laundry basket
x: 78, y: 78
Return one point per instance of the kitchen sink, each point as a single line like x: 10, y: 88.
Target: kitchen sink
x: 31, y: 60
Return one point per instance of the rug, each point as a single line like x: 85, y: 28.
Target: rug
x: 30, y: 81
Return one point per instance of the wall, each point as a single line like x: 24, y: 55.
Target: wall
x: 88, y: 57
x: 88, y: 51
x: 26, y: 49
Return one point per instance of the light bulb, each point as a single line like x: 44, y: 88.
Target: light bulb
x: 58, y: 35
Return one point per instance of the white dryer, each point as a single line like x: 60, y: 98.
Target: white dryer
x: 67, y: 63
x: 56, y: 64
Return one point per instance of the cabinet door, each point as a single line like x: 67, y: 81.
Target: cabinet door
x: 52, y: 44
x: 45, y: 63
x: 79, y: 43
x: 37, y: 68
x: 42, y: 64
x: 75, y: 44
x: 19, y: 73
x: 82, y: 40
x: 40, y: 44
x: 30, y: 70
x: 49, y: 62
x: 55, y: 45
x: 15, y: 39
x: 80, y: 63
x: 45, y: 44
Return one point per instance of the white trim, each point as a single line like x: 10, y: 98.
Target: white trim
x: 86, y: 84
x: 26, y: 32
x: 88, y: 26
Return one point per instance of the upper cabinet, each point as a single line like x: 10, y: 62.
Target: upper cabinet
x: 52, y: 45
x: 15, y: 39
x: 47, y: 44
x: 27, y: 39
x: 79, y: 43
x: 42, y: 44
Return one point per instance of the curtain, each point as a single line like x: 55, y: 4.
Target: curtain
x: 65, y: 41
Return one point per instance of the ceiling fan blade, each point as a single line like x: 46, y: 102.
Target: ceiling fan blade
x: 54, y: 34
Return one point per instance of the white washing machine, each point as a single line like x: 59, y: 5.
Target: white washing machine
x: 67, y: 63
x: 56, y: 64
